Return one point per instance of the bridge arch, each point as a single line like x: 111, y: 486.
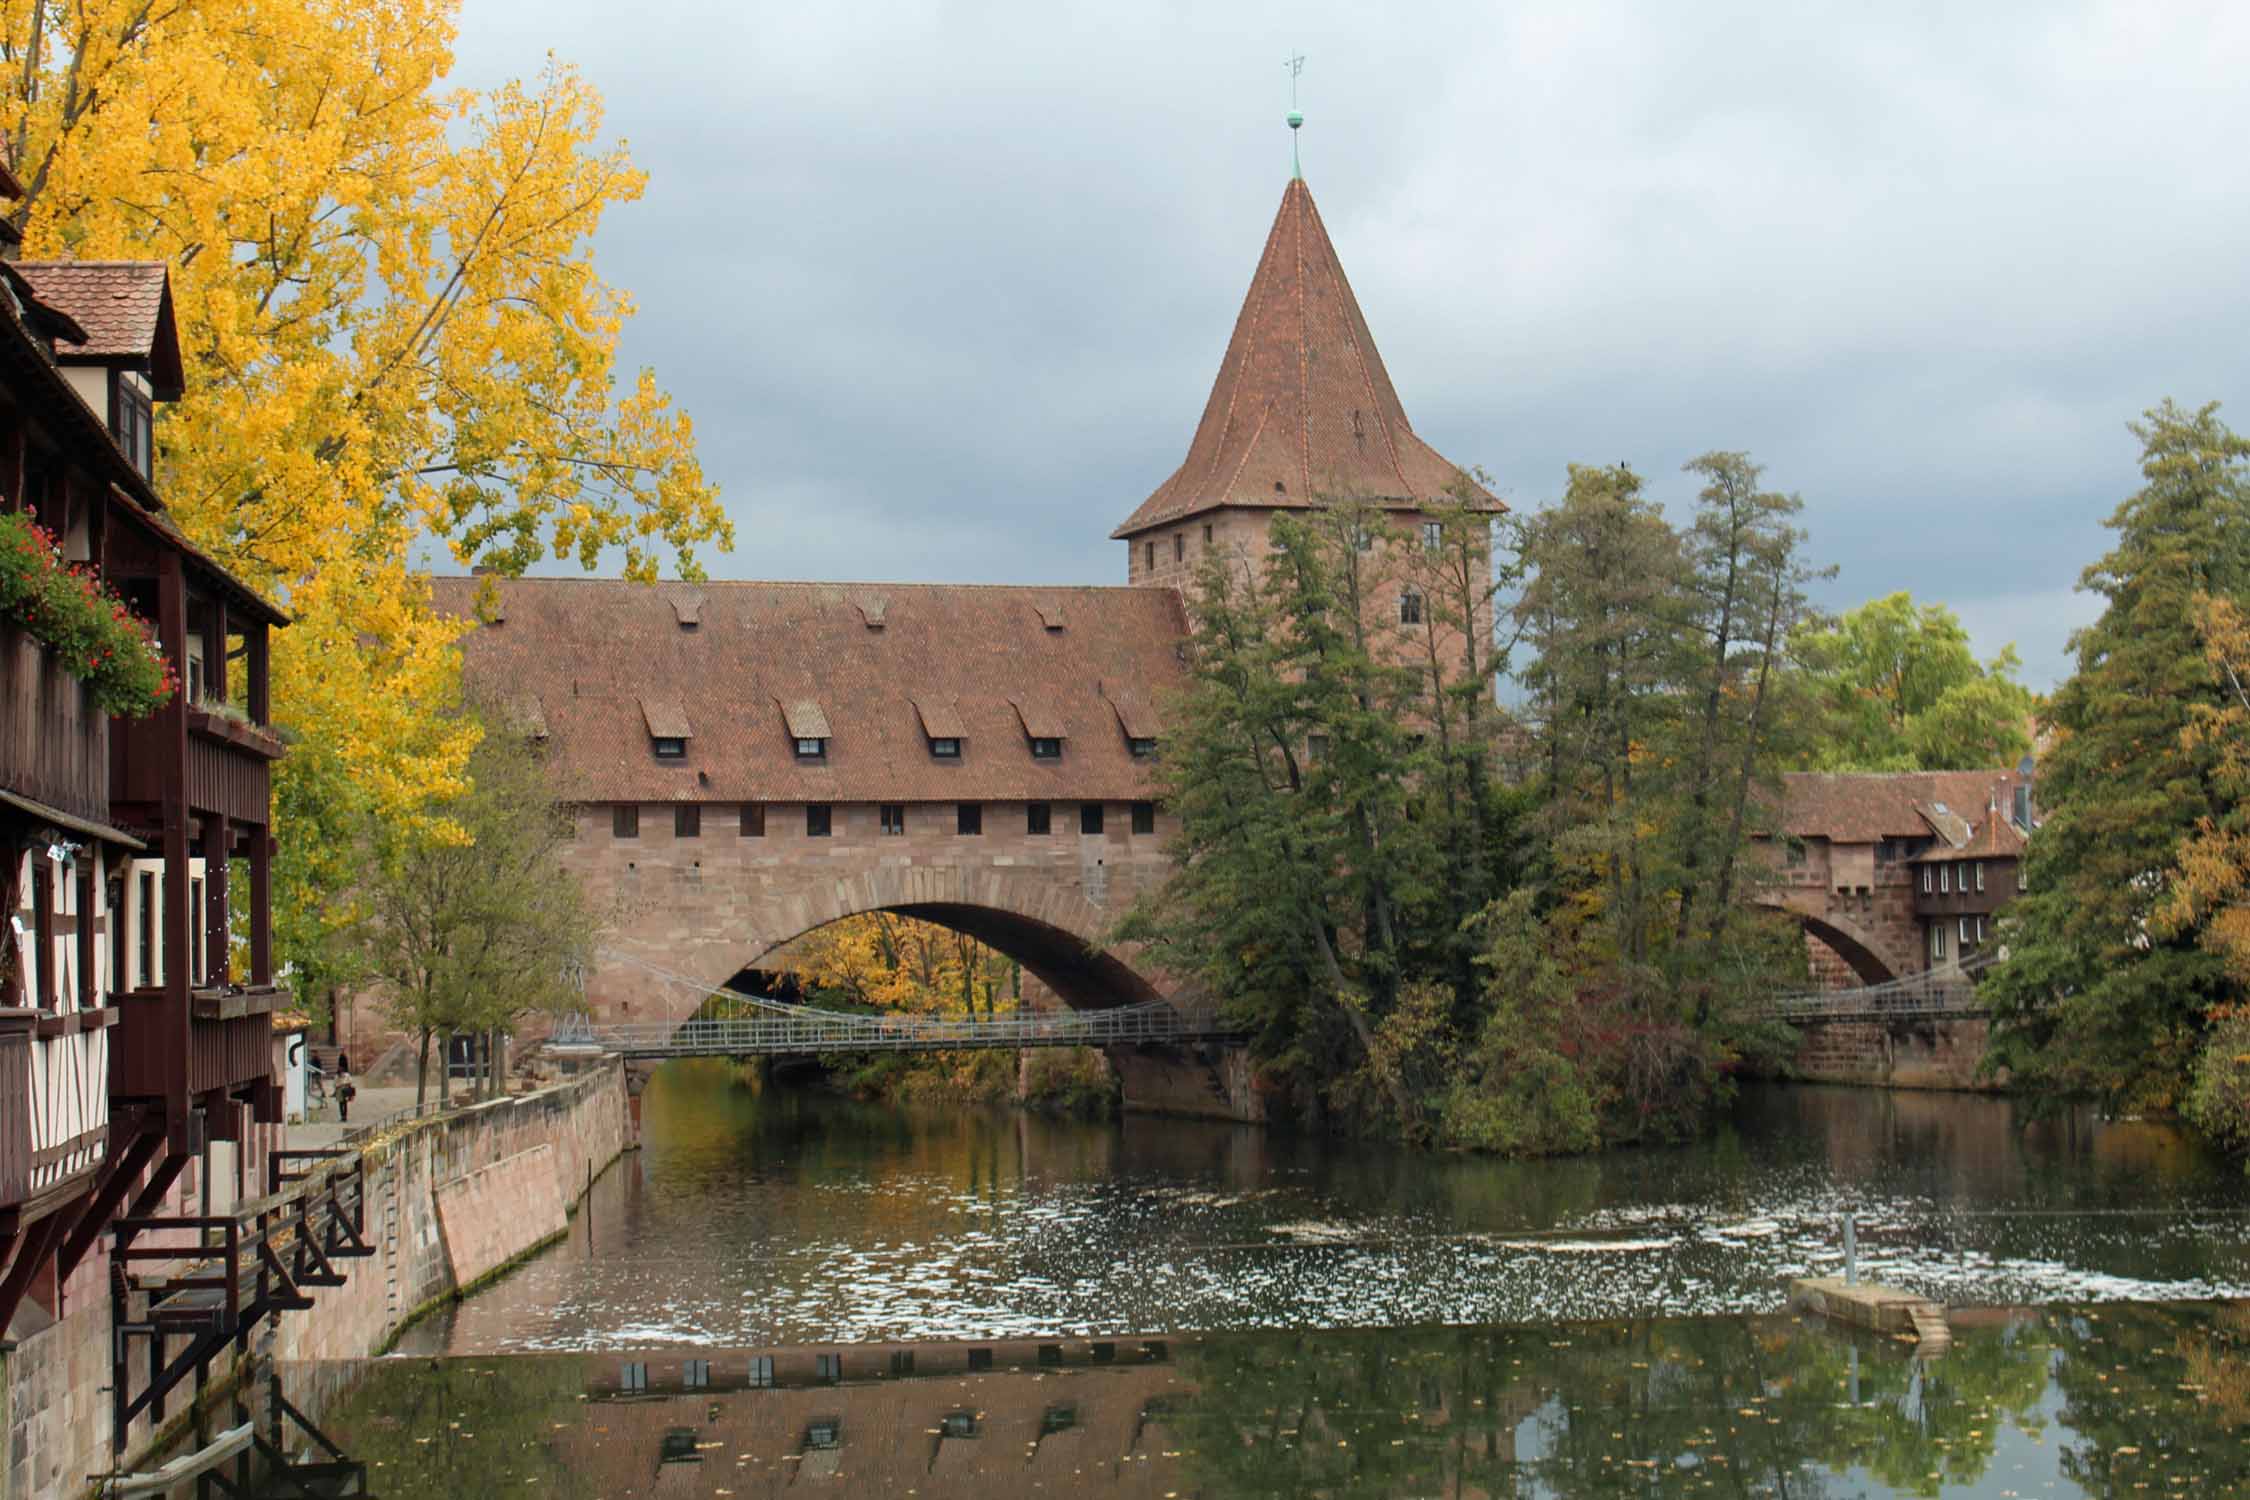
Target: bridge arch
x: 1872, y: 959
x: 1049, y: 928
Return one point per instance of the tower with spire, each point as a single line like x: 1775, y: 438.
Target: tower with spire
x: 1302, y: 412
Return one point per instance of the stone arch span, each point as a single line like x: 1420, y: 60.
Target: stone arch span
x: 1869, y: 956
x: 1047, y: 926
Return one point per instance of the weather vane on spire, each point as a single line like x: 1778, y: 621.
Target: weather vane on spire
x: 1296, y: 65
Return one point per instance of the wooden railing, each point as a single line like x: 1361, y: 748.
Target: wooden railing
x: 54, y: 744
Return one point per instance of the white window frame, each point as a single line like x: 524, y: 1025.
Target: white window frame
x: 1929, y: 881
x: 1980, y: 875
x: 1945, y: 880
x: 1937, y: 941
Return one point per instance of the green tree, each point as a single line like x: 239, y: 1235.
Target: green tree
x: 2098, y: 995
x: 465, y: 933
x: 1899, y: 689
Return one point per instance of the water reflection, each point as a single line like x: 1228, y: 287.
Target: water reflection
x: 2089, y: 1400
x: 784, y: 1216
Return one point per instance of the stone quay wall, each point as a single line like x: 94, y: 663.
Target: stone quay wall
x: 1899, y: 1054
x: 452, y: 1200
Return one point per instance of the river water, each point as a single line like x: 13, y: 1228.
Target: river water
x: 787, y: 1290
x: 785, y: 1217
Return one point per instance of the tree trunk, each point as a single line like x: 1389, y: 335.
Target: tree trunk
x: 422, y: 1071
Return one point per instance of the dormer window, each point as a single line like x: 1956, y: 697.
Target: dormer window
x: 136, y: 425
x: 668, y: 730
x: 1142, y: 748
x: 1042, y: 728
x: 942, y: 726
x: 808, y: 729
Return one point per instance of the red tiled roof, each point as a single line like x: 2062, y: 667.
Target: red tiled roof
x: 125, y: 308
x: 1868, y: 807
x: 589, y: 651
x: 1303, y: 408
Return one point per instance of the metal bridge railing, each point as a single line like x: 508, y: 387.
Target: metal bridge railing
x: 811, y: 1032
x: 1937, y: 992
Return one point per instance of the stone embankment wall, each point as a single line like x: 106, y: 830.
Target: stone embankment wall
x: 1902, y: 1054
x: 451, y: 1200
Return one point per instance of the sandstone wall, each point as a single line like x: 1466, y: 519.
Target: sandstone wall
x: 1906, y: 1054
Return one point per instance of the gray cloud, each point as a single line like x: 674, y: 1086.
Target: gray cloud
x: 945, y: 285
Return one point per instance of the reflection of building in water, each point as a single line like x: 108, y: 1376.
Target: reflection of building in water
x: 983, y: 1420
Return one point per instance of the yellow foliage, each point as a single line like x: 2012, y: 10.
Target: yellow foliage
x: 396, y: 343
x: 899, y: 963
x: 2209, y: 888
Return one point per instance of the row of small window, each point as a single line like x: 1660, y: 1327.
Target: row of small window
x: 890, y: 818
x: 944, y: 748
x: 1433, y: 537
x: 1972, y: 934
x: 1945, y: 879
x: 695, y: 1374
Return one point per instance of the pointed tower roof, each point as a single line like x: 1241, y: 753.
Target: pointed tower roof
x: 1303, y: 408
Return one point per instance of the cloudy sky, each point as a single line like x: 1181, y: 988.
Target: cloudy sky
x: 945, y: 285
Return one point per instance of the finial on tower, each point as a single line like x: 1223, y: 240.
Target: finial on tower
x: 1296, y: 65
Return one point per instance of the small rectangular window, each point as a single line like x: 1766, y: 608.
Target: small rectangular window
x: 949, y: 749
x: 1037, y: 817
x: 816, y: 820
x: 1937, y: 940
x: 687, y: 821
x: 1433, y: 536
x: 1980, y: 929
x: 1046, y: 749
x: 753, y: 820
x: 1179, y: 546
x: 968, y: 818
x: 959, y: 1424
x: 902, y: 1361
x: 1144, y: 817
x: 1927, y: 878
x: 1141, y: 747
x: 1410, y: 608
x: 761, y: 1372
x: 2023, y: 807
x: 2023, y: 876
x: 697, y: 1375
x: 827, y: 1432
x: 893, y: 816
x: 1363, y: 537
x: 1980, y: 874
x: 1207, y: 535
x: 980, y: 1359
x: 670, y: 749
x: 145, y: 937
x: 625, y: 820
x: 829, y: 1366
x: 809, y: 748
x: 1089, y: 817
x: 1945, y: 880
x: 1964, y: 930
x: 634, y: 1376
x: 1148, y: 556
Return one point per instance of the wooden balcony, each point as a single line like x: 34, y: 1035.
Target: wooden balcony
x: 227, y: 768
x: 225, y: 1041
x: 54, y: 744
x: 54, y: 1116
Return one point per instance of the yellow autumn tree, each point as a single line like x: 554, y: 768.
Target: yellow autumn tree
x: 398, y: 348
x: 2209, y: 889
x: 898, y: 963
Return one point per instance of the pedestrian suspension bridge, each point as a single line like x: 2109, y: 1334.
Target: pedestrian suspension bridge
x: 1936, y: 994
x: 732, y: 1023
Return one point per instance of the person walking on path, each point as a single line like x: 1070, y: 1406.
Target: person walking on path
x: 344, y: 1090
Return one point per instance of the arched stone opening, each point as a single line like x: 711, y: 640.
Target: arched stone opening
x: 1857, y: 953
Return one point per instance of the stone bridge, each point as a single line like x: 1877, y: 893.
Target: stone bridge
x: 1870, y: 931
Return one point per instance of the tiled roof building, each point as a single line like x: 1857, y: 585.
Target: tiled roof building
x: 913, y: 692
